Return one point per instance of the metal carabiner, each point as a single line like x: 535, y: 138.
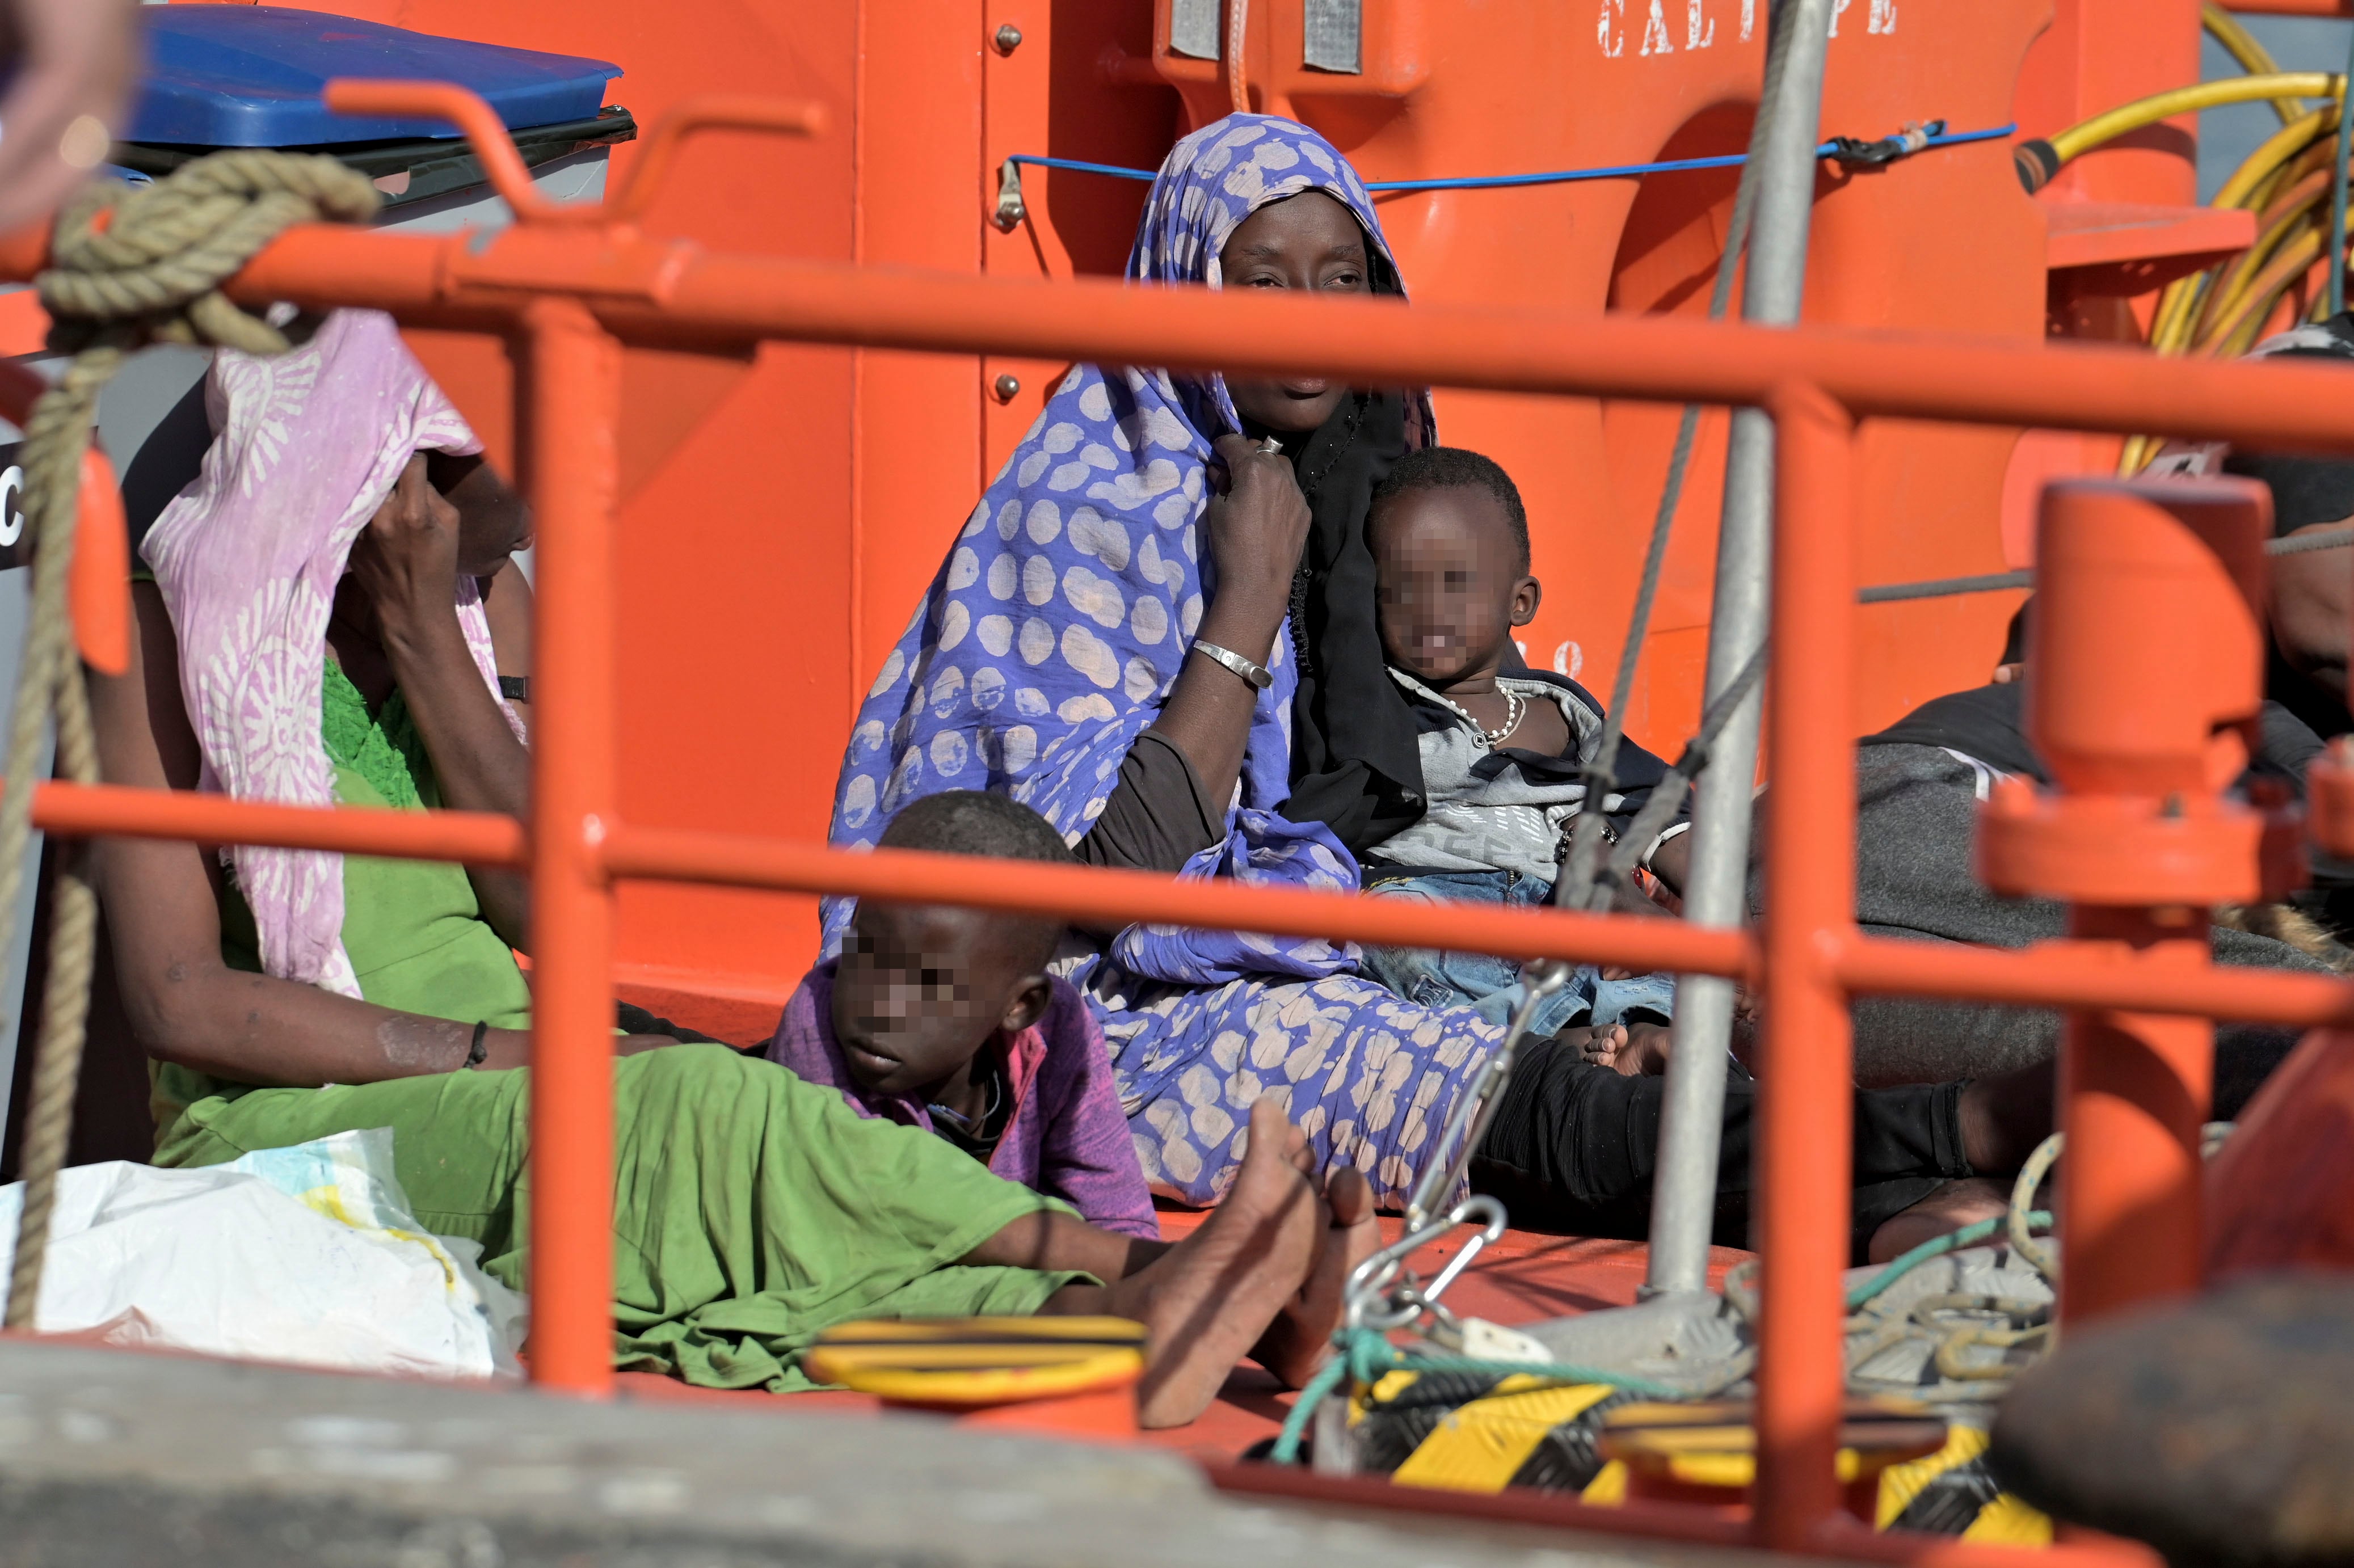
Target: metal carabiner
x: 1371, y: 1302
x: 1370, y: 1281
x: 1478, y: 1205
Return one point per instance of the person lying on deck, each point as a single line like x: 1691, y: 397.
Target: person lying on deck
x: 1918, y: 786
x: 1503, y: 751
x: 286, y: 996
x: 1158, y: 629
x: 947, y: 1020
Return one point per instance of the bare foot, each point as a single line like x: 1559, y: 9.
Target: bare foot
x: 1633, y: 1051
x: 1645, y: 1055
x: 1208, y: 1300
x: 1949, y: 1208
x: 1296, y: 1343
x: 1600, y: 1044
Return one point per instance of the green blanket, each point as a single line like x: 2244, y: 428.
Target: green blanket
x: 751, y: 1209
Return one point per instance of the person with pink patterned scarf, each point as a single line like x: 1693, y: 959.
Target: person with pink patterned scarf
x: 314, y: 633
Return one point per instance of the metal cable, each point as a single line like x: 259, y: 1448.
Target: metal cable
x: 1237, y: 51
x: 151, y: 274
x: 1667, y: 796
x: 2038, y: 1254
x: 1581, y: 884
x: 1995, y: 582
x: 1845, y: 150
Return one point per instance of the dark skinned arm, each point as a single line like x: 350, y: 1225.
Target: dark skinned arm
x: 69, y: 58
x: 406, y: 562
x: 1671, y: 862
x: 1054, y: 1243
x: 1257, y: 529
x: 2312, y: 601
x: 186, y: 1005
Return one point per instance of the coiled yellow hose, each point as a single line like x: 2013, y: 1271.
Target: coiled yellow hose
x: 2221, y: 310
x: 2242, y: 46
x: 2079, y: 139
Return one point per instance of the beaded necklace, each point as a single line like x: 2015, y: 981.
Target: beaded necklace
x: 1516, y: 707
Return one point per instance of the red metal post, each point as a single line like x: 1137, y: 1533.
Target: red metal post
x: 2134, y: 1090
x: 568, y: 400
x: 2145, y: 652
x: 1805, y: 1077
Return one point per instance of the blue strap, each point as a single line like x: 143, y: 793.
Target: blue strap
x: 1551, y: 177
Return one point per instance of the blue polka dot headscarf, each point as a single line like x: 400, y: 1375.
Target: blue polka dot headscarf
x: 1053, y: 631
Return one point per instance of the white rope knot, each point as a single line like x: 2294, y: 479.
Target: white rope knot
x: 139, y: 264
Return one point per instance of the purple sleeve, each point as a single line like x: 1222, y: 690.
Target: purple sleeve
x: 1086, y: 1157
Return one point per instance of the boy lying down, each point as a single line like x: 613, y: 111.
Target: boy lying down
x: 944, y: 1021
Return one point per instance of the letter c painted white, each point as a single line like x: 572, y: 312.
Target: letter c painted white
x: 12, y: 506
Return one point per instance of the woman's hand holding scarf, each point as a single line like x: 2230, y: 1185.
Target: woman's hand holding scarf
x: 405, y: 566
x: 1257, y: 526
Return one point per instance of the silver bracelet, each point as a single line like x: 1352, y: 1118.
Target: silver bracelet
x: 1258, y: 675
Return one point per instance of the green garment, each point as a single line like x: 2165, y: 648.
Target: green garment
x: 412, y: 928
x: 751, y: 1209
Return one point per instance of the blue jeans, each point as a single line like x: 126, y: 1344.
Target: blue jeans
x: 1492, y: 985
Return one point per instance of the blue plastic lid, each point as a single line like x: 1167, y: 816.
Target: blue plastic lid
x: 249, y: 75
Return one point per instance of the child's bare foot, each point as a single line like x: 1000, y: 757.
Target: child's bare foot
x: 1296, y: 1341
x: 1208, y: 1300
x: 1633, y: 1051
x: 1949, y: 1208
x: 1600, y: 1044
x: 1645, y: 1055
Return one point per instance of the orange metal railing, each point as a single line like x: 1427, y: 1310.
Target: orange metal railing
x: 567, y: 289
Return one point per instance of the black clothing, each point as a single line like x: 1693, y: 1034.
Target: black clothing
x: 1157, y: 817
x: 2314, y: 706
x: 1573, y: 1148
x: 2306, y: 491
x: 1637, y: 771
x: 631, y: 1019
x: 1353, y: 763
x: 1988, y: 724
x: 980, y: 1136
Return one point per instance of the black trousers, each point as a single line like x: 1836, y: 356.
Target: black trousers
x: 1572, y: 1147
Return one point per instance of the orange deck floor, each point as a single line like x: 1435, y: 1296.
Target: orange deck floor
x: 1523, y: 1278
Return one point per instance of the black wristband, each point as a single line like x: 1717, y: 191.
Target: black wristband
x: 515, y: 688
x: 480, y: 1050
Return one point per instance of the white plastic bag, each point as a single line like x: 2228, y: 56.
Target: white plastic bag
x: 305, y: 1255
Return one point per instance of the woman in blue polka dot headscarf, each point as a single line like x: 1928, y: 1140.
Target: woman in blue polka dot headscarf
x: 1116, y: 641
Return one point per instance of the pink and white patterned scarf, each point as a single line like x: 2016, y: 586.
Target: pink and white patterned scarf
x: 306, y: 446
